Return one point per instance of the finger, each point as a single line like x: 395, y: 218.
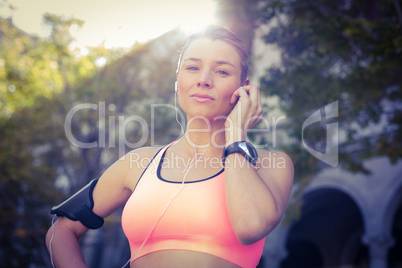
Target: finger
x: 253, y: 93
x: 258, y: 119
x: 255, y: 98
x: 235, y: 96
x: 258, y: 99
x: 248, y: 88
x: 243, y: 93
x: 254, y: 121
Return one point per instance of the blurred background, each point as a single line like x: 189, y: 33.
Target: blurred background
x: 75, y: 77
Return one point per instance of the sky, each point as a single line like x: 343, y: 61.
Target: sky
x: 116, y: 23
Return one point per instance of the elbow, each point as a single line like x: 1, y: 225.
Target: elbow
x: 250, y: 231
x: 49, y: 237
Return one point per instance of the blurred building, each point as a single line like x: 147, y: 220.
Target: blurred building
x: 347, y: 220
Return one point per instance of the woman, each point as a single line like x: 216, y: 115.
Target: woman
x: 206, y: 200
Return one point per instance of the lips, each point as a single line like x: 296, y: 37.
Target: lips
x: 202, y: 96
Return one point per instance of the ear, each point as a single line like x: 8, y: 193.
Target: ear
x: 247, y: 82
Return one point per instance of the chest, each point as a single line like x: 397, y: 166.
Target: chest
x: 196, y: 209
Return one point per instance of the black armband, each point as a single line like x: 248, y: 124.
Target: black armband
x: 79, y: 207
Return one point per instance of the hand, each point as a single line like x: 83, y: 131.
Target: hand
x: 245, y: 115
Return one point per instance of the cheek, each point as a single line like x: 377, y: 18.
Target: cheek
x: 184, y: 83
x: 225, y: 101
x: 228, y: 92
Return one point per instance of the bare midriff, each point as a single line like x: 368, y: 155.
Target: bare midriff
x: 181, y: 258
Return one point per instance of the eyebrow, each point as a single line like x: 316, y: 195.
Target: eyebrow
x: 219, y: 62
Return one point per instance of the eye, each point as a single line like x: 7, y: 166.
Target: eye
x: 192, y: 68
x: 222, y: 72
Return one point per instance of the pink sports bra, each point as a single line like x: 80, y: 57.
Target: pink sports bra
x: 196, y: 220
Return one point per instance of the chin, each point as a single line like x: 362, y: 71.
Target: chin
x: 206, y: 111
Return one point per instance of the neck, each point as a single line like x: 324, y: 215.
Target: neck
x: 201, y: 133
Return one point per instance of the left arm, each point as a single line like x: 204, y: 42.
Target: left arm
x: 256, y: 199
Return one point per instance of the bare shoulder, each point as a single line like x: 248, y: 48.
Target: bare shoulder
x: 126, y: 171
x: 116, y: 184
x: 136, y: 162
x: 147, y: 152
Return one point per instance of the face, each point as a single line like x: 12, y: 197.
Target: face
x: 209, y: 73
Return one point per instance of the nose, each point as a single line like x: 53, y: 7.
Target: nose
x: 204, y: 80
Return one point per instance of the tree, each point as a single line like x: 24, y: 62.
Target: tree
x: 240, y: 17
x: 27, y: 166
x: 35, y: 76
x: 42, y: 82
x: 345, y: 51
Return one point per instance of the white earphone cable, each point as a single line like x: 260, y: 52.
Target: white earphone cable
x: 168, y: 204
x: 175, y: 106
x: 50, y: 242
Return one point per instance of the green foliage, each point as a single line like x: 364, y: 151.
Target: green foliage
x: 27, y: 170
x: 346, y: 51
x: 31, y: 142
x: 42, y: 81
x: 24, y: 73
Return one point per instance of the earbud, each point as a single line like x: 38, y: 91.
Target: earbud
x: 175, y: 86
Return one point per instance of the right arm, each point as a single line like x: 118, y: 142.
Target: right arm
x: 112, y: 191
